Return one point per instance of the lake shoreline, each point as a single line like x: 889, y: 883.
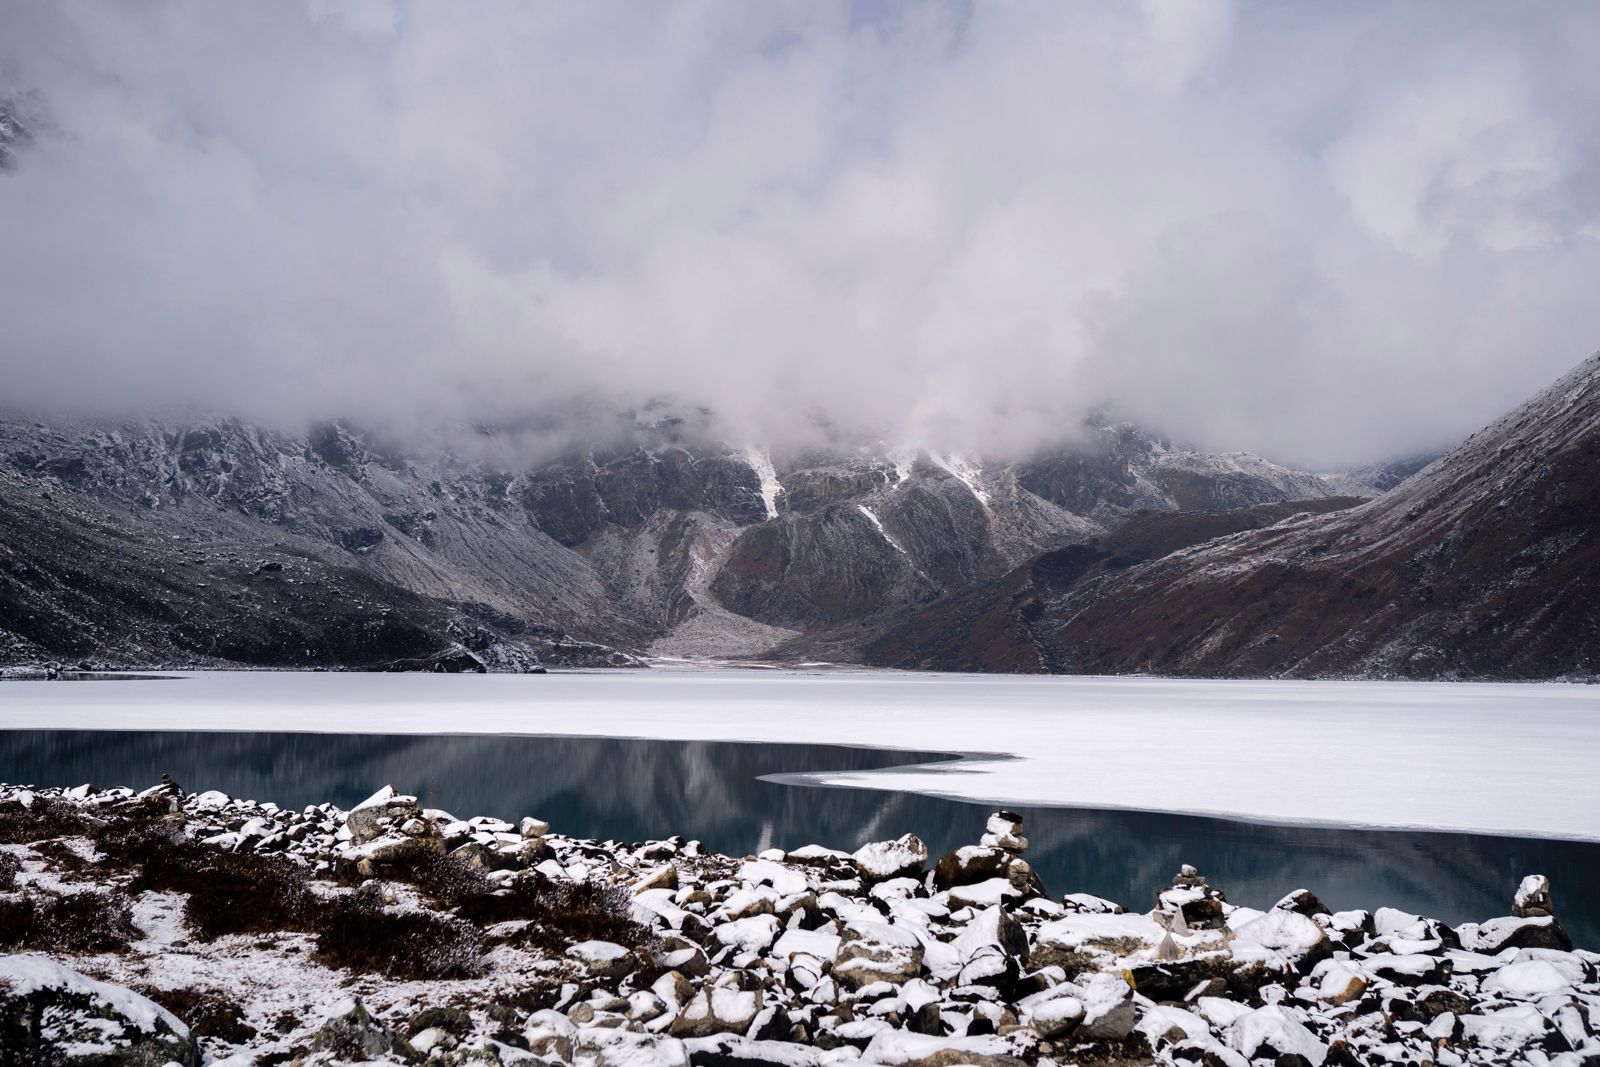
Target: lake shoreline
x: 810, y: 954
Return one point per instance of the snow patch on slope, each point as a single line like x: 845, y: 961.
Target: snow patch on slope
x: 760, y: 461
x: 878, y: 525
x: 964, y: 471
x: 904, y: 460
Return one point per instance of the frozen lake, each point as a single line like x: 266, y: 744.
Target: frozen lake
x: 1516, y: 760
x: 1434, y: 798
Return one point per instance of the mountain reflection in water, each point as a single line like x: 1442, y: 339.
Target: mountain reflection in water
x: 631, y: 790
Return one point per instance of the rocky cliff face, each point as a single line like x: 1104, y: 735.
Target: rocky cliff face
x: 1483, y: 565
x: 661, y: 540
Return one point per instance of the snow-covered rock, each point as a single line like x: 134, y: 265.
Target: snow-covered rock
x: 876, y: 952
x: 602, y: 959
x: 881, y: 860
x: 50, y: 1013
x: 1274, y: 1031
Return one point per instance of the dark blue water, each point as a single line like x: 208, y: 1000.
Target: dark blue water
x: 632, y: 790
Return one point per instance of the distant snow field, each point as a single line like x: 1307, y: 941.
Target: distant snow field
x: 1505, y: 758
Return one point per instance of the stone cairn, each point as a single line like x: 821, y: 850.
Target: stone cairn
x: 1189, y: 904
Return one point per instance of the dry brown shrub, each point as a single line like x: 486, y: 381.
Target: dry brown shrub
x: 229, y: 893
x: 208, y: 1014
x: 43, y: 819
x: 355, y: 931
x: 443, y: 879
x: 88, y: 921
x: 559, y: 914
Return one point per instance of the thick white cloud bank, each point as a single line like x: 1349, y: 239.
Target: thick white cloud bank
x: 1325, y: 232
x: 1502, y: 759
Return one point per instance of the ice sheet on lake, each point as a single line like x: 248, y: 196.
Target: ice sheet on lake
x: 1509, y: 758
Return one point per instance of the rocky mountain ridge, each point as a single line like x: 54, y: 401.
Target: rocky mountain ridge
x: 1483, y: 565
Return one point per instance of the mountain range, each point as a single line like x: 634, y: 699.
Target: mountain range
x: 217, y: 542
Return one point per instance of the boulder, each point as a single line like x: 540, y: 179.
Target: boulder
x: 876, y: 952
x: 1302, y: 902
x: 972, y: 864
x: 1535, y: 931
x: 51, y: 1014
x: 1338, y: 982
x: 991, y: 949
x: 612, y: 1047
x: 1174, y: 979
x: 379, y: 813
x: 903, y: 857
x: 1057, y: 1017
x: 724, y: 1008
x: 1089, y: 904
x: 1288, y: 934
x: 901, y: 1049
x: 753, y: 934
x: 1273, y: 1032
x: 353, y: 1034
x: 1108, y: 1009
x: 604, y: 960
x: 549, y: 1033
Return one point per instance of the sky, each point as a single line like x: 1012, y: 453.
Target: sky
x: 1329, y: 233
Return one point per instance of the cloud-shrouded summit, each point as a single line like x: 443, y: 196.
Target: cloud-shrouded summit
x: 1328, y: 233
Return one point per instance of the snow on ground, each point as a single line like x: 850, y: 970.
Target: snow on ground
x: 1507, y: 758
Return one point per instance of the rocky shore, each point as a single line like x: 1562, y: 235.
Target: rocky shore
x: 165, y: 926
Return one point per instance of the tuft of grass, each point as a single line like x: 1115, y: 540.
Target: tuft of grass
x: 10, y: 867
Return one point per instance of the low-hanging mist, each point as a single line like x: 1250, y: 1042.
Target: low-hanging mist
x: 1329, y: 234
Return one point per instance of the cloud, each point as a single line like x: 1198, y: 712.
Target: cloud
x: 1326, y: 233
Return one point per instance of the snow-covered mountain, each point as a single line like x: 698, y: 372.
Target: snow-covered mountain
x: 214, y: 540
